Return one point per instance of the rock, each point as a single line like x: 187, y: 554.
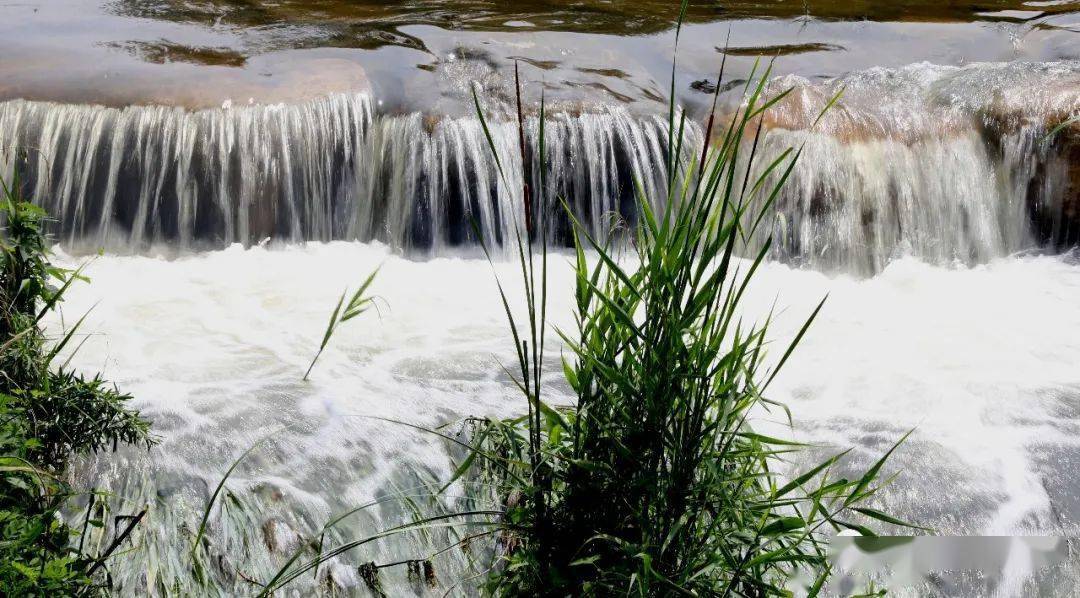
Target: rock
x: 1065, y: 147
x: 279, y: 537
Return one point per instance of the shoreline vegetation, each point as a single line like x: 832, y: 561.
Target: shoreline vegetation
x: 49, y: 414
x: 654, y: 483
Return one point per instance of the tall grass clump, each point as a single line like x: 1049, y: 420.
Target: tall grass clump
x: 47, y: 414
x: 655, y: 482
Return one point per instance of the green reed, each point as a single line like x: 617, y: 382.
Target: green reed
x: 358, y: 303
x: 654, y: 482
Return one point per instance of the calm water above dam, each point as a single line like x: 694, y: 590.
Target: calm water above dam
x: 423, y: 55
x: 241, y: 162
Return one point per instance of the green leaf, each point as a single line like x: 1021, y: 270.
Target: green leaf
x: 769, y: 439
x: 806, y: 477
x: 1060, y: 127
x: 871, y: 474
x: 783, y: 525
x: 880, y: 516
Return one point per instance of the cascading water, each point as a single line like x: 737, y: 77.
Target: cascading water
x: 426, y: 182
x: 982, y: 361
x: 133, y: 177
x: 949, y: 165
x: 140, y: 175
x: 946, y: 163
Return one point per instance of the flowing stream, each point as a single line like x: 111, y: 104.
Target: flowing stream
x: 241, y: 165
x: 981, y: 360
x: 923, y: 206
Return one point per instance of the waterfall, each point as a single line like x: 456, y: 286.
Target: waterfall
x: 427, y: 182
x: 947, y: 163
x: 330, y: 169
x: 126, y: 178
x: 855, y: 206
x: 950, y: 164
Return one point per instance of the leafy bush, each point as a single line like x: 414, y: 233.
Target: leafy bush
x: 47, y: 414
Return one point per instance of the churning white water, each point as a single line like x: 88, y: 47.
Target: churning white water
x: 981, y: 361
x: 912, y: 208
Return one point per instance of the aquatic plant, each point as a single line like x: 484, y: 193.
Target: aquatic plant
x: 47, y: 414
x: 359, y: 302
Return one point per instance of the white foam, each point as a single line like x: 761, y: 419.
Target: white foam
x: 213, y: 346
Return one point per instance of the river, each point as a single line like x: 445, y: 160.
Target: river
x: 241, y: 163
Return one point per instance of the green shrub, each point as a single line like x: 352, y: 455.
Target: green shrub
x: 47, y: 414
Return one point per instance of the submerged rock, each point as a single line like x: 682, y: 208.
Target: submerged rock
x: 279, y: 537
